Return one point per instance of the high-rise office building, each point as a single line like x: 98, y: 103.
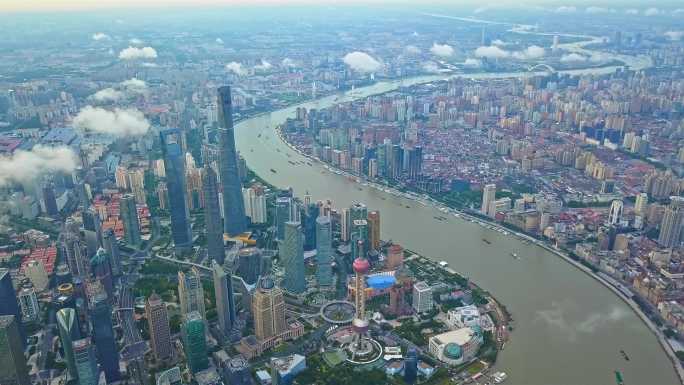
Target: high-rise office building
x: 234, y: 221
x: 291, y: 251
x: 111, y: 246
x: 422, y: 297
x: 194, y: 342
x: 250, y: 264
x: 324, y: 251
x: 104, y: 338
x: 225, y: 303
x: 8, y: 301
x: 158, y: 324
x: 374, y: 230
x: 395, y: 257
x: 86, y: 363
x: 174, y: 165
x: 13, y: 370
x: 28, y: 302
x: 672, y: 223
x: 67, y: 324
x: 100, y: 267
x: 488, y: 196
x: 212, y: 215
x: 268, y: 308
x: 129, y: 217
x: 255, y: 204
x: 191, y: 292
x: 309, y: 215
x: 49, y: 199
x: 415, y: 162
x: 283, y: 215
x: 411, y: 366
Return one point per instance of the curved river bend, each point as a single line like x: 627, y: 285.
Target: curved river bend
x: 569, y: 329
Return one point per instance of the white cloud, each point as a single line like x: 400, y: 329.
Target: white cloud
x: 135, y: 41
x: 134, y: 85
x: 24, y: 166
x: 674, y: 35
x: 498, y: 42
x: 573, y: 58
x: 596, y: 10
x: 443, y: 50
x: 100, y: 36
x: 263, y: 66
x: 361, y: 62
x: 236, y: 68
x: 108, y: 95
x: 219, y: 40
x: 678, y: 11
x: 531, y: 52
x: 632, y: 11
x: 118, y: 122
x: 415, y: 34
x: 412, y: 50
x: 133, y: 53
x: 149, y: 65
x: 652, y: 12
x: 566, y: 9
x: 430, y: 67
x: 287, y: 62
x: 491, y: 52
x: 481, y: 10
x: 472, y: 63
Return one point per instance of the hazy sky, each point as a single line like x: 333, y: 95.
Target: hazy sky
x: 70, y: 5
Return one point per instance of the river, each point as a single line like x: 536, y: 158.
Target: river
x: 569, y: 329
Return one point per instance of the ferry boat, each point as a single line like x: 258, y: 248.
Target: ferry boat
x: 624, y: 355
x: 443, y: 263
x: 618, y: 378
x: 273, y: 171
x: 486, y: 241
x: 515, y: 255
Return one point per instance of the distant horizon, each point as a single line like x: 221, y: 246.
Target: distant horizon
x: 38, y: 6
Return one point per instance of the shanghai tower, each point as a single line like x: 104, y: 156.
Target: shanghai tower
x: 234, y: 221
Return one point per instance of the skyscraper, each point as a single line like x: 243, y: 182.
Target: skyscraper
x: 191, y: 292
x: 104, y: 338
x: 411, y: 366
x: 170, y: 377
x: 672, y: 223
x: 249, y: 264
x: 86, y: 364
x: 28, y: 302
x: 8, y: 301
x: 225, y: 303
x: 174, y: 165
x: 268, y: 308
x: 111, y: 246
x: 291, y: 253
x: 488, y: 195
x: 212, y: 215
x: 234, y: 221
x: 158, y: 324
x: 309, y: 216
x: 13, y: 370
x: 129, y: 217
x: 283, y: 216
x: 49, y: 199
x: 67, y: 324
x: 194, y: 342
x: 641, y: 204
x: 323, y: 251
x: 374, y: 230
x: 102, y: 270
x: 615, y: 213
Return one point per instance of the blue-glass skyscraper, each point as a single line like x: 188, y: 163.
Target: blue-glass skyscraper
x: 104, y: 339
x: 194, y: 342
x: 174, y: 165
x: 309, y: 216
x: 234, y: 220
x: 411, y: 366
x: 8, y: 301
x: 323, y: 251
x: 225, y: 303
x: 291, y: 252
x: 283, y: 215
x: 212, y: 216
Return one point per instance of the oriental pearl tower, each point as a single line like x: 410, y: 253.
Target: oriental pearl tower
x: 361, y: 345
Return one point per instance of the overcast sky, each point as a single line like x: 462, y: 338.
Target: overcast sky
x: 70, y: 5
